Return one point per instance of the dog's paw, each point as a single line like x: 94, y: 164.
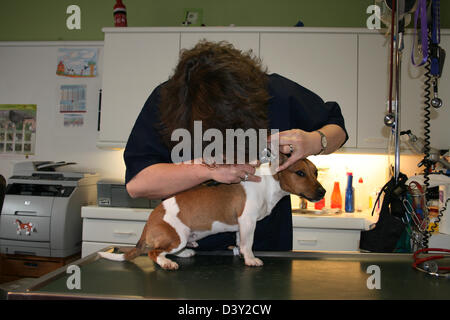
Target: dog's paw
x: 253, y: 262
x: 192, y: 244
x: 170, y: 265
x: 186, y: 253
x: 167, y: 264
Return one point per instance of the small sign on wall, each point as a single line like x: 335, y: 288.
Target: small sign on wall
x: 73, y: 98
x: 17, y: 128
x: 77, y: 63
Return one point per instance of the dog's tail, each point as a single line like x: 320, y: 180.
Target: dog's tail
x: 133, y: 253
x: 129, y: 255
x: 112, y: 256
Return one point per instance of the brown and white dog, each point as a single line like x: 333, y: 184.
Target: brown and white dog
x: 178, y: 222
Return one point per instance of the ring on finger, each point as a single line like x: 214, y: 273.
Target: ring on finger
x: 245, y: 177
x: 291, y: 148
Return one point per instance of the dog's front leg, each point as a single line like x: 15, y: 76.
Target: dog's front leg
x: 247, y: 225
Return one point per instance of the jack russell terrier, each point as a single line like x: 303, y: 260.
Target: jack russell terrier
x: 178, y: 222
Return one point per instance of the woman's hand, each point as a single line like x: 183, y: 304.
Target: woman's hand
x: 298, y: 143
x: 234, y: 173
x: 301, y: 144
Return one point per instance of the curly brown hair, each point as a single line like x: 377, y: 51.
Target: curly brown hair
x: 217, y: 84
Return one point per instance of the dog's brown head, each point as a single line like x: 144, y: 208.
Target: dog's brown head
x: 300, y: 178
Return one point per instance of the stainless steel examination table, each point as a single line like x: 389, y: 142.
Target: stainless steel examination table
x: 220, y: 275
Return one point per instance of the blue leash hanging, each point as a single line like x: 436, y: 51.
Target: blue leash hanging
x: 437, y: 54
x: 422, y: 12
x: 429, y: 50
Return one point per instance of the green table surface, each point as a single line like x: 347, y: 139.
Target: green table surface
x: 218, y: 275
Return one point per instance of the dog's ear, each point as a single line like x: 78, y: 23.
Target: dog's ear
x: 283, y: 158
x: 277, y: 163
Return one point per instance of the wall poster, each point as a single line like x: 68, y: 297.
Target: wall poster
x: 77, y: 63
x: 17, y: 128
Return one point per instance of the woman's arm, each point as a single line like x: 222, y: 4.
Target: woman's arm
x: 162, y: 180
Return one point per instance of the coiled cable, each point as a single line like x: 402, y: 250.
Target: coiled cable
x: 426, y: 161
x: 435, y: 224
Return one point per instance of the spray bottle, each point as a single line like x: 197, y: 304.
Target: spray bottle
x: 349, y: 194
x: 336, y: 199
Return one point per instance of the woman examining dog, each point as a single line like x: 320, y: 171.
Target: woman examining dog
x: 225, y: 88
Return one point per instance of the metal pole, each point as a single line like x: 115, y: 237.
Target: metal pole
x: 397, y: 110
x: 398, y: 62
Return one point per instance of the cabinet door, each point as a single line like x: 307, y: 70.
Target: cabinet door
x: 243, y: 40
x: 440, y: 123
x: 323, y: 63
x: 373, y: 91
x: 134, y: 64
x: 413, y: 101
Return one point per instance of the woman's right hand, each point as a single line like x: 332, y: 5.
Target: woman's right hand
x: 233, y: 173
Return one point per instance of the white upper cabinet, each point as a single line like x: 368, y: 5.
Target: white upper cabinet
x: 244, y: 41
x: 413, y: 101
x: 349, y: 66
x: 134, y: 64
x: 440, y: 118
x: 373, y: 92
x: 322, y: 62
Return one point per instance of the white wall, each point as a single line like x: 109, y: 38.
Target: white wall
x: 28, y: 76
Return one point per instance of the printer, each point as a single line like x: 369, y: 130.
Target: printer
x: 41, y: 212
x: 113, y: 193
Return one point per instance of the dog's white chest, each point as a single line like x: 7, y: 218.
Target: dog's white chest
x: 262, y: 196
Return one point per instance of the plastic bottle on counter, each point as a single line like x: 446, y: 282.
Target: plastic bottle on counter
x: 372, y: 199
x: 360, y: 195
x: 349, y: 194
x: 319, y: 204
x: 336, y: 198
x: 120, y: 14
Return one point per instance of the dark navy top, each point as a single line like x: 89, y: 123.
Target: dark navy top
x: 291, y: 106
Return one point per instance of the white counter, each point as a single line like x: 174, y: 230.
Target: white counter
x: 329, y: 232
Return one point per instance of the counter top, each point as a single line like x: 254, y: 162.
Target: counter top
x: 357, y: 220
x: 219, y: 275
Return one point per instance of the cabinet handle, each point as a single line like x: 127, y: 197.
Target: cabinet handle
x: 124, y: 233
x: 307, y: 241
x: 25, y: 213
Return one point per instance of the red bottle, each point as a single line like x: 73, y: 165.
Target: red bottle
x: 120, y: 14
x: 336, y: 197
x: 319, y: 204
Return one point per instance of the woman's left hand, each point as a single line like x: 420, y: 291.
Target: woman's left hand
x: 298, y: 143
